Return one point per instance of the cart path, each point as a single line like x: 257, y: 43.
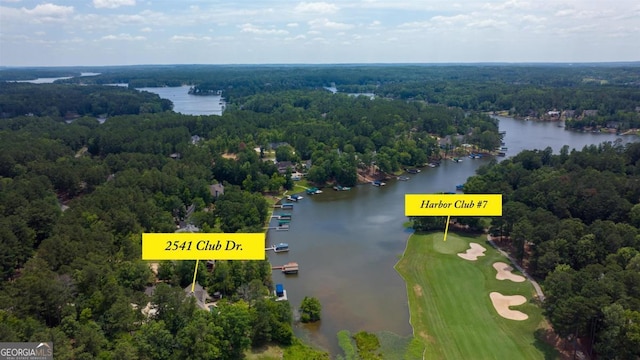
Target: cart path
x: 535, y: 284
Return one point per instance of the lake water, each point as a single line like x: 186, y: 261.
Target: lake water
x: 347, y: 242
x: 43, y: 80
x: 183, y: 102
x: 188, y: 104
x: 334, y: 90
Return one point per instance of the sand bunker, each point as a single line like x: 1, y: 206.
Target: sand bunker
x: 502, y: 303
x: 504, y: 273
x: 473, y: 253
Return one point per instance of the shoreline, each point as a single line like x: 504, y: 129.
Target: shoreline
x: 596, y: 130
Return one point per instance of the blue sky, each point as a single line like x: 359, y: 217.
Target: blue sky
x: 127, y: 32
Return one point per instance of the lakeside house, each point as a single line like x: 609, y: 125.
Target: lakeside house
x: 568, y: 114
x: 216, y: 190
x: 195, y: 139
x: 200, y: 294
x: 284, y: 165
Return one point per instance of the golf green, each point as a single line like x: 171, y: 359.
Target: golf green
x: 450, y: 307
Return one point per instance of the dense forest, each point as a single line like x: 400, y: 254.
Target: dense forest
x: 573, y: 220
x: 524, y: 90
x: 76, y: 193
x: 70, y: 102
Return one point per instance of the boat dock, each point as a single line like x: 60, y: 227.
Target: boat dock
x: 283, y: 206
x: 282, y: 247
x: 280, y: 292
x: 288, y: 268
x: 283, y: 227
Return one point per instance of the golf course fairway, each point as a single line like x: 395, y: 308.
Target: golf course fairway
x: 450, y: 306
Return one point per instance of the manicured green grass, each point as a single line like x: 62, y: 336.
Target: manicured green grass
x: 450, y: 308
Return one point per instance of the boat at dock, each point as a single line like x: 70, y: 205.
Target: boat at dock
x: 341, y: 188
x: 455, y: 159
x: 403, y: 178
x: 294, y: 197
x: 313, y: 191
x: 378, y: 183
x: 282, y: 247
x: 280, y: 292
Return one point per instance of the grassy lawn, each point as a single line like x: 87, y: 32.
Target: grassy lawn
x: 450, y: 308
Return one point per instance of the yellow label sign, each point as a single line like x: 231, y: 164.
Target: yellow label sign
x: 203, y: 246
x: 453, y: 205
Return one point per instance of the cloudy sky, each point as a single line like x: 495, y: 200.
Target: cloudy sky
x: 125, y: 32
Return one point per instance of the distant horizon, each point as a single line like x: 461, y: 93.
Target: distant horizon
x: 541, y: 63
x: 55, y: 33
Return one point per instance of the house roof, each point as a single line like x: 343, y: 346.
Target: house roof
x: 199, y: 293
x: 216, y: 189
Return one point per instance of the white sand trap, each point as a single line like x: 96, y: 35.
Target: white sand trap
x: 502, y: 303
x: 473, y: 252
x: 505, y: 272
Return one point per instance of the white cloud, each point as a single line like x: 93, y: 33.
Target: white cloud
x: 316, y: 8
x: 292, y: 25
x: 49, y: 11
x: 112, y: 4
x: 451, y: 20
x: 183, y: 38
x: 487, y: 23
x: 510, y: 4
x: 565, y: 12
x: 127, y: 37
x: 250, y: 28
x: 297, y: 37
x: 328, y: 24
x: 146, y: 29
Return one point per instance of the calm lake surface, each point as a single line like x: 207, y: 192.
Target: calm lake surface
x: 188, y: 104
x: 347, y: 242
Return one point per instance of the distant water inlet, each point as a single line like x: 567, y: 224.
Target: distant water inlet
x: 188, y: 104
